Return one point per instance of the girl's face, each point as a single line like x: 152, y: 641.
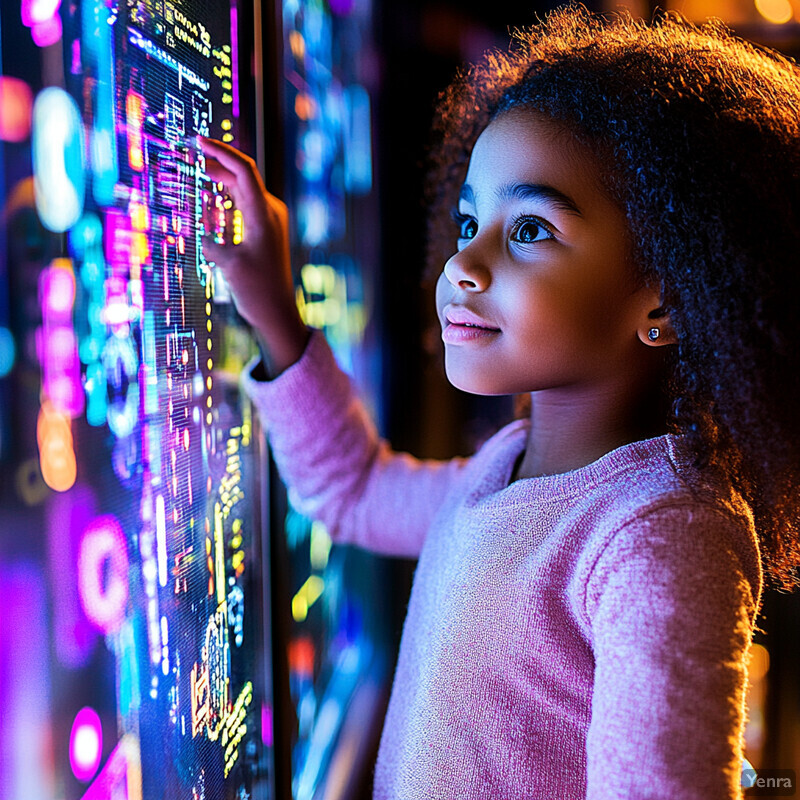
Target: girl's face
x: 541, y: 268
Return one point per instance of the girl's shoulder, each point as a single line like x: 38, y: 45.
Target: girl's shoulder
x: 677, y: 510
x: 662, y: 474
x: 630, y: 482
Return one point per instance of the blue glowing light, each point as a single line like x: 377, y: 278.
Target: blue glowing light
x: 98, y: 50
x: 8, y: 351
x: 86, y: 234
x: 358, y: 145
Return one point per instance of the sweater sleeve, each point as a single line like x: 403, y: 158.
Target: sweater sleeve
x: 671, y: 613
x: 336, y: 467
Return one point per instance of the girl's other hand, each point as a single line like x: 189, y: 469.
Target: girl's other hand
x: 258, y: 270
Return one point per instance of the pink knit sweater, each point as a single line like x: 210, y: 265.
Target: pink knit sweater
x: 581, y: 635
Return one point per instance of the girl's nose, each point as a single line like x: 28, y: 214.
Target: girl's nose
x: 465, y: 271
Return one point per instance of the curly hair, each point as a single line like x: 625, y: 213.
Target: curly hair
x: 699, y: 134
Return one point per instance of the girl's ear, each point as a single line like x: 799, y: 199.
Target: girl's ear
x: 654, y: 328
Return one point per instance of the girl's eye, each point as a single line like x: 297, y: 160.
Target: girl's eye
x: 528, y: 231
x: 525, y: 230
x: 467, y: 226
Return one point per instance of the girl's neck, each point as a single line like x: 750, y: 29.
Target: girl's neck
x: 568, y: 433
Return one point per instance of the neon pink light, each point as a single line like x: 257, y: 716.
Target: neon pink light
x: 48, y: 32
x: 57, y: 344
x: 75, y: 67
x: 42, y: 17
x: 119, y: 245
x: 60, y: 347
x: 16, y: 107
x: 266, y: 725
x: 26, y: 724
x: 58, y: 293
x: 118, y: 240
x: 85, y: 744
x: 103, y: 573
x: 34, y: 11
x: 235, y: 58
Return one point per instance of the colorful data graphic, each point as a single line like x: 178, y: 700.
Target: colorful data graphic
x: 142, y: 434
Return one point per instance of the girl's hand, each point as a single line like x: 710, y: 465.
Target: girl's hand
x: 258, y: 270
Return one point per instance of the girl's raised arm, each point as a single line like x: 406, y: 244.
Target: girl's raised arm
x: 337, y: 468
x: 327, y: 450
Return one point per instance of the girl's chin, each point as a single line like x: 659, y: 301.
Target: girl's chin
x: 471, y: 385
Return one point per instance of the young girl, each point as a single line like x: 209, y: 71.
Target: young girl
x: 589, y: 581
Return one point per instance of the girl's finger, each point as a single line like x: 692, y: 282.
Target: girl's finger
x: 242, y: 167
x: 223, y: 149
x: 211, y: 250
x: 216, y: 253
x: 218, y: 173
x: 229, y: 185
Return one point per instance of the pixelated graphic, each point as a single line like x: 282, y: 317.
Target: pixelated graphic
x: 132, y: 454
x: 143, y: 437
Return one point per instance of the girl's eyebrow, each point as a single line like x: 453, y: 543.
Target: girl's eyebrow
x: 541, y: 192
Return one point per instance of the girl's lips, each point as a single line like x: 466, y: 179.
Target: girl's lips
x: 460, y: 315
x: 461, y: 334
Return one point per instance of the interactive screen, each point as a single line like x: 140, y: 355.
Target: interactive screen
x: 145, y: 476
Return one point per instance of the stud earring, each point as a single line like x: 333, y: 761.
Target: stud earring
x: 653, y: 334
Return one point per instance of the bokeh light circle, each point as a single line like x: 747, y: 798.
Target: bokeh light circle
x: 8, y: 351
x: 85, y: 744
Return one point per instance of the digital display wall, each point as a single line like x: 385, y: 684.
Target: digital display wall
x: 136, y: 633
x: 339, y: 648
x: 145, y: 484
